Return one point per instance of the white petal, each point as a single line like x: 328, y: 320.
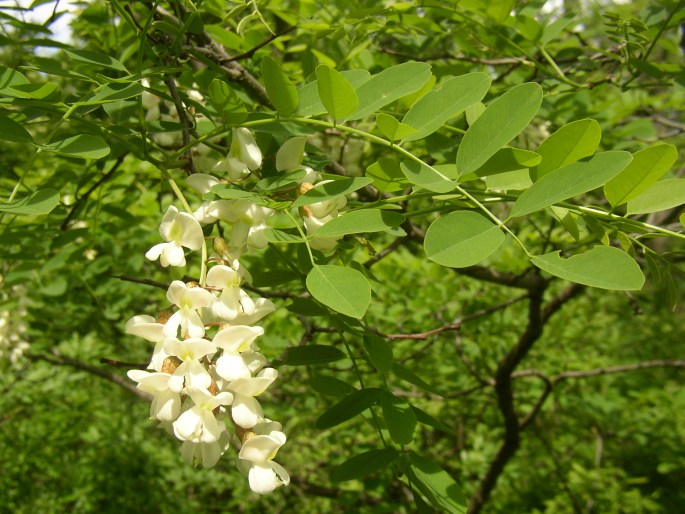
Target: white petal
x: 232, y: 367
x: 263, y: 479
x: 167, y: 225
x: 172, y: 255
x: 188, y: 426
x: 222, y: 277
x: 166, y: 406
x: 176, y: 292
x: 261, y: 448
x: 246, y: 411
x: 249, y: 152
x: 154, y: 252
x: 191, y: 231
x: 201, y: 182
x: 237, y: 338
x: 145, y: 327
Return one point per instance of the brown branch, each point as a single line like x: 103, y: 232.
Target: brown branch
x: 527, y: 280
x: 446, y: 56
x: 537, y: 316
x: 183, y: 117
x: 62, y: 360
x: 266, y: 41
x: 145, y: 281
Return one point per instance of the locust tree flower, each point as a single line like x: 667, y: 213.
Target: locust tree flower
x: 206, y: 453
x: 199, y: 424
x: 289, y: 158
x: 191, y: 373
x: 188, y: 300
x: 324, y: 244
x: 232, y: 300
x: 179, y: 229
x: 148, y: 328
x: 166, y: 404
x: 234, y: 341
x: 244, y: 148
x: 246, y: 410
x: 256, y: 459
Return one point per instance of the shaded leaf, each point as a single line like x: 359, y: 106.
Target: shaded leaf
x: 436, y: 485
x: 364, y: 464
x: 84, y: 146
x: 400, y: 419
x: 405, y: 374
x: 10, y: 130
x: 312, y: 354
x: 387, y: 175
x: 380, y: 352
x: 279, y: 89
x: 330, y: 386
x: 348, y: 407
x: 39, y: 202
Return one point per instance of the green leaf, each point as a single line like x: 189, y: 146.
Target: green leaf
x: 504, y: 161
x: 330, y: 386
x: 569, y: 144
x: 571, y: 180
x: 436, y: 485
x: 427, y: 177
x: 364, y: 464
x: 359, y: 222
x: 403, y: 373
x: 278, y: 236
x: 44, y: 91
x: 95, y: 58
x: 344, y: 290
x: 663, y: 195
x: 336, y: 93
x: 84, y: 146
x: 309, y: 101
x: 380, y: 352
x: 453, y: 96
x: 387, y: 175
x: 393, y: 129
x: 648, y: 166
x: 39, y: 202
x: 312, y: 354
x: 501, y: 122
x: 230, y: 192
x: 400, y: 419
x: 605, y: 267
x: 332, y: 189
x: 10, y: 130
x: 226, y: 102
x: 348, y: 407
x: 389, y: 85
x: 279, y: 89
x: 10, y: 77
x: 114, y: 92
x: 461, y: 239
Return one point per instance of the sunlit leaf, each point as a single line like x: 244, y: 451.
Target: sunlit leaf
x: 279, y: 89
x: 359, y: 222
x: 605, y: 267
x: 84, y: 146
x: 569, y: 144
x: 344, y: 290
x: 387, y: 175
x: 461, y: 239
x: 391, y: 128
x: 427, y: 177
x: 330, y: 190
x: 663, y: 195
x: 571, y: 180
x: 309, y: 101
x: 40, y: 202
x: 336, y: 93
x: 501, y: 122
x: 95, y: 58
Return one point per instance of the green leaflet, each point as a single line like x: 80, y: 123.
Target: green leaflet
x: 663, y: 195
x: 309, y: 101
x: 10, y: 130
x: 364, y: 464
x: 604, y: 267
x: 39, y: 202
x: 571, y: 180
x: 568, y: 144
x: 226, y: 102
x: 436, y: 485
x: 333, y: 189
x: 312, y: 354
x: 84, y: 146
x: 387, y: 175
x: 427, y: 177
x: 330, y: 386
x: 450, y: 98
x: 344, y: 290
x: 391, y: 128
x: 400, y: 419
x: 504, y: 160
x: 347, y: 408
x: 389, y: 85
x: 461, y: 239
x: 279, y: 89
x: 96, y: 59
x: 336, y: 93
x: 501, y: 122
x: 648, y: 166
x: 361, y: 221
x: 380, y: 352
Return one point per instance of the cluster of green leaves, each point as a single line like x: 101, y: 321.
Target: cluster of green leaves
x: 447, y: 163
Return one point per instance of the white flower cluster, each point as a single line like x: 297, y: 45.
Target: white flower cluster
x: 206, y: 369
x: 12, y: 325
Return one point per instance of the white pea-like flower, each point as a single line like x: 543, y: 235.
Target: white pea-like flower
x: 179, y: 229
x: 148, y: 328
x: 234, y: 341
x: 256, y: 458
x: 166, y: 404
x: 233, y: 300
x: 191, y: 373
x: 188, y: 300
x: 246, y: 410
x: 244, y: 148
x: 199, y: 424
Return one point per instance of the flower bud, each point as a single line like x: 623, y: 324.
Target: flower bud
x: 170, y: 364
x: 164, y: 315
x: 220, y: 247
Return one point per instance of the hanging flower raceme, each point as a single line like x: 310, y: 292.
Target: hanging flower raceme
x: 204, y: 374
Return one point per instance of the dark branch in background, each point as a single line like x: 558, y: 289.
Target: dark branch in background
x: 183, y: 117
x: 82, y: 199
x: 527, y: 280
x: 267, y: 40
x: 145, y: 281
x: 537, y: 317
x: 446, y: 56
x: 62, y: 360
